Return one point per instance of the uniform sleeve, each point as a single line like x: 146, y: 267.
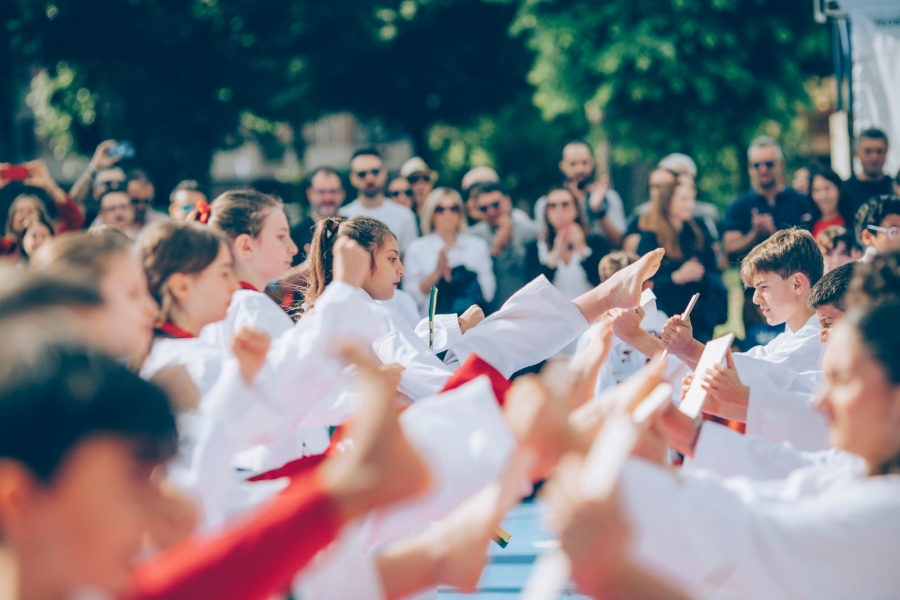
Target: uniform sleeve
x: 252, y: 561
x: 326, y: 578
x: 257, y: 310
x: 424, y: 374
x: 446, y: 332
x: 707, y: 536
x: 782, y: 416
x: 533, y: 325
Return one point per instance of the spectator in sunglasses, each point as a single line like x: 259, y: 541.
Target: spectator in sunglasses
x: 871, y: 151
x: 768, y: 206
x: 507, y: 231
x: 471, y: 179
x: 399, y: 191
x: 116, y: 210
x: 420, y: 178
x: 142, y: 192
x: 368, y: 176
x: 325, y: 194
x: 184, y: 198
x: 458, y: 263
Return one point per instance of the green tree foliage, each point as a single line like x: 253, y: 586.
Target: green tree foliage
x: 694, y: 76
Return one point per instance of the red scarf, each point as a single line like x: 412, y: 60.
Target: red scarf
x: 174, y: 331
x: 247, y: 286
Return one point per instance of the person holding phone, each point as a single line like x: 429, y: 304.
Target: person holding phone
x: 29, y: 205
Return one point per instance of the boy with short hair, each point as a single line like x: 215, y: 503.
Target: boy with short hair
x: 839, y: 247
x: 828, y: 298
x: 878, y: 225
x: 783, y: 270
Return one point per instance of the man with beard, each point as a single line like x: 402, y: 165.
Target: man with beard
x: 325, y: 194
x: 603, y: 206
x: 368, y: 176
x: 871, y: 150
x: 768, y: 206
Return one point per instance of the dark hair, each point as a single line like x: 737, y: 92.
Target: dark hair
x: 42, y: 208
x: 112, y: 188
x: 84, y: 251
x: 877, y: 280
x: 845, y: 204
x: 873, y: 133
x: 832, y: 288
x: 25, y: 292
x: 367, y: 232
x: 830, y: 237
x: 323, y: 169
x: 238, y: 212
x: 580, y: 217
x: 53, y: 397
x: 138, y: 175
x: 874, y: 211
x: 185, y: 184
x: 369, y: 151
x: 169, y: 247
x: 787, y: 252
x: 487, y: 187
x: 44, y: 219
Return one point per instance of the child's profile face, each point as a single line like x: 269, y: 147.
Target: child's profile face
x: 84, y: 529
x: 273, y: 249
x: 839, y: 256
x: 776, y: 297
x: 828, y: 316
x: 387, y: 271
x: 883, y: 241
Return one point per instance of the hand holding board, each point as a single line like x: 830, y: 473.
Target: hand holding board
x: 713, y: 354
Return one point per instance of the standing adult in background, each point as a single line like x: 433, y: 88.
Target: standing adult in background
x: 507, y: 231
x: 116, y: 210
x: 690, y: 264
x: 829, y: 204
x: 769, y: 205
x: 325, y: 194
x: 471, y: 179
x: 567, y: 253
x: 662, y: 182
x: 420, y: 178
x: 603, y: 206
x: 399, y: 191
x: 871, y: 150
x: 458, y: 263
x: 142, y: 192
x: 184, y: 198
x: 368, y: 176
x: 801, y: 180
x: 101, y: 169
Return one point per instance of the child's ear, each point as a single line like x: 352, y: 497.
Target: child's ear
x: 179, y: 287
x: 242, y: 246
x: 800, y: 282
x: 867, y: 238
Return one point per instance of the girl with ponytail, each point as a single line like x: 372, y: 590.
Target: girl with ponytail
x: 535, y: 323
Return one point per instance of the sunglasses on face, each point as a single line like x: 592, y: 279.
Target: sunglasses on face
x: 414, y: 179
x: 116, y: 208
x: 438, y: 210
x: 768, y: 163
x: 491, y: 206
x: 139, y: 201
x: 362, y: 174
x: 552, y: 205
x: 398, y: 193
x: 891, y: 232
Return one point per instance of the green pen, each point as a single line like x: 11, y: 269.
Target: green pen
x: 432, y: 306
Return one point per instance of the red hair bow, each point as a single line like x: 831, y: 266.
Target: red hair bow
x: 203, y: 210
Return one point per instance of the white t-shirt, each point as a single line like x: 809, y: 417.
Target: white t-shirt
x: 399, y: 220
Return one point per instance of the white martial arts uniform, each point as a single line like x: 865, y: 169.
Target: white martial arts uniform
x: 798, y: 354
x: 534, y: 324
x: 821, y: 533
x: 730, y: 454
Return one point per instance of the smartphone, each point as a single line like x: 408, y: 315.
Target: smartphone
x: 122, y: 150
x: 14, y: 173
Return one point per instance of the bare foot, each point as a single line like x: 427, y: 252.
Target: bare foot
x: 381, y: 467
x: 622, y: 290
x: 250, y: 346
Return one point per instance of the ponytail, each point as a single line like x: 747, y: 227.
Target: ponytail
x: 368, y: 233
x: 236, y: 212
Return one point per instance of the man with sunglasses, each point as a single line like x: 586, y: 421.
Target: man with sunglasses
x: 871, y: 150
x: 507, y: 231
x: 368, y: 176
x: 325, y: 194
x: 767, y: 207
x: 141, y: 190
x: 421, y: 179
